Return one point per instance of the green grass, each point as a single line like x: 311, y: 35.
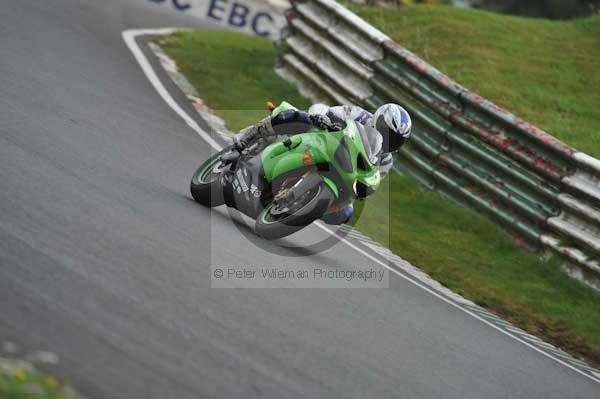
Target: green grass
x: 546, y: 72
x: 233, y: 73
x: 29, y: 385
x: 459, y: 248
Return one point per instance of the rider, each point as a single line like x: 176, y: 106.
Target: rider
x: 387, y: 130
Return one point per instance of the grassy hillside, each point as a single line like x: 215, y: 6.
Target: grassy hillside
x: 546, y: 72
x: 234, y: 74
x: 18, y: 383
x: 459, y: 248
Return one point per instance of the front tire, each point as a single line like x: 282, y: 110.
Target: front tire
x: 271, y: 227
x: 206, y: 187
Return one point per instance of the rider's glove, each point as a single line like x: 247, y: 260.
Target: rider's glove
x: 335, y: 127
x: 320, y: 121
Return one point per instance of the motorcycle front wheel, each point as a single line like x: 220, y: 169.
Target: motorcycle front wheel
x: 273, y: 223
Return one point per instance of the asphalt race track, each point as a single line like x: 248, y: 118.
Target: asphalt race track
x: 105, y: 259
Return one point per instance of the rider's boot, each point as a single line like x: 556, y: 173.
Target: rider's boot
x: 248, y: 136
x: 339, y: 215
x: 230, y: 157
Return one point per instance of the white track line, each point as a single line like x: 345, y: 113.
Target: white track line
x: 458, y: 306
x: 129, y: 37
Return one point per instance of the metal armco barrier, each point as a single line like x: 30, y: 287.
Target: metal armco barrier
x: 541, y: 190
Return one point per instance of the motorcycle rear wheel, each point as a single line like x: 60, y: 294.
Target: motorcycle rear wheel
x: 206, y: 186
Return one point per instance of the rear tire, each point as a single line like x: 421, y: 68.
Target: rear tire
x: 206, y: 187
x: 268, y: 227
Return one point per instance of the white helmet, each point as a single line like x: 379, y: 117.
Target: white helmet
x: 394, y: 124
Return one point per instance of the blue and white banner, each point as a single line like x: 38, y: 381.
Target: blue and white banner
x: 252, y: 17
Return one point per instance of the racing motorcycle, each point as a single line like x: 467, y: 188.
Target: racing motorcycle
x: 288, y: 182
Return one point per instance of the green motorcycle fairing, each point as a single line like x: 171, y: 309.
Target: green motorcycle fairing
x: 344, y: 150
